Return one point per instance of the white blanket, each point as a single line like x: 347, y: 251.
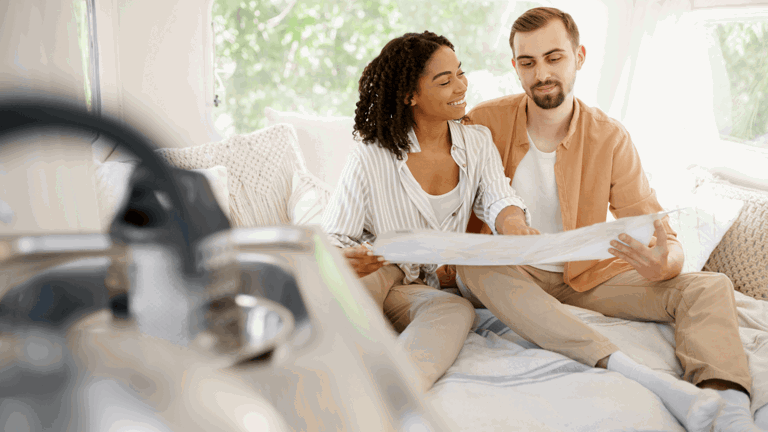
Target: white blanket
x: 502, y: 382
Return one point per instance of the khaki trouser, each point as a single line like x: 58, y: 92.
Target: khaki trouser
x: 433, y: 325
x: 701, y: 305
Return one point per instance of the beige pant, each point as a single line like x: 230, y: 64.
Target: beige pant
x: 433, y: 325
x: 702, y: 306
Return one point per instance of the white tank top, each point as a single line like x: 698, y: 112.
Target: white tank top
x: 535, y: 182
x: 445, y: 204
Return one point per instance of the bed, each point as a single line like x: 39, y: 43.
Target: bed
x: 500, y: 381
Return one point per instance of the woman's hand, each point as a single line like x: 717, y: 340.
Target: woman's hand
x: 363, y: 261
x: 511, y: 221
x: 446, y: 274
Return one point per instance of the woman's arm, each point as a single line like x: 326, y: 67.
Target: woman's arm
x: 495, y: 195
x: 511, y: 221
x: 345, y: 217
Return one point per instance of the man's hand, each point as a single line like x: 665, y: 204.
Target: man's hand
x: 362, y: 260
x: 654, y: 264
x: 511, y: 221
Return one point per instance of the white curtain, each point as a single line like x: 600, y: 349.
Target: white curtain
x: 45, y: 177
x: 656, y: 78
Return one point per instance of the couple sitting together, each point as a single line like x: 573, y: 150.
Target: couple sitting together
x: 568, y: 163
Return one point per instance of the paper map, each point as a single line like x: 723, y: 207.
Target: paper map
x: 437, y: 247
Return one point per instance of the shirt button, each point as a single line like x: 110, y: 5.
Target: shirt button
x: 464, y: 165
x: 454, y: 214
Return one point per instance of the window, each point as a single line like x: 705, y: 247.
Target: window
x: 308, y: 56
x: 740, y: 74
x: 85, y: 21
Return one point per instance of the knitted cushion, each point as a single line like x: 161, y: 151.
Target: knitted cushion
x: 260, y: 166
x: 742, y: 254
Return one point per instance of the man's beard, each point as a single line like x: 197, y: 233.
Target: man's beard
x: 550, y: 100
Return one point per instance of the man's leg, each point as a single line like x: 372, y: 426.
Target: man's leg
x: 701, y: 305
x: 703, y: 308
x: 433, y: 326
x: 514, y: 295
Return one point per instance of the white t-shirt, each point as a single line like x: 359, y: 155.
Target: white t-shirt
x: 534, y: 182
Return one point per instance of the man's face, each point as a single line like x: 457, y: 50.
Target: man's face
x: 546, y: 64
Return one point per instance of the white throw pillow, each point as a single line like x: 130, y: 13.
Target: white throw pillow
x: 112, y: 187
x: 705, y: 218
x: 702, y: 224
x: 309, y: 197
x: 325, y: 141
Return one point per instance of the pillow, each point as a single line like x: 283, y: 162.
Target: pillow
x: 325, y: 141
x: 260, y: 166
x: 701, y: 224
x: 742, y: 254
x: 704, y: 218
x: 309, y: 196
x: 218, y: 178
x: 112, y: 187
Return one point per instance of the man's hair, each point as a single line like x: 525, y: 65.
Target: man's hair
x: 536, y: 18
x: 389, y: 80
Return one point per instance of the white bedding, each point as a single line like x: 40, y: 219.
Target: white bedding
x: 501, y: 382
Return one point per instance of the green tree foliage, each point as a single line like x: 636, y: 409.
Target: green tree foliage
x: 744, y: 46
x: 307, y: 56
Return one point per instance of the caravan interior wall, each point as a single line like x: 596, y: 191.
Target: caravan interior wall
x: 142, y: 62
x: 151, y: 63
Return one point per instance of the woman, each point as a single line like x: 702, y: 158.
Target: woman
x: 418, y: 168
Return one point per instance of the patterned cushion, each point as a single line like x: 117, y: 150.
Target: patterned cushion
x: 260, y: 167
x: 742, y: 254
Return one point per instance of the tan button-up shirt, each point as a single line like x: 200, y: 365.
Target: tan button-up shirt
x: 597, y: 168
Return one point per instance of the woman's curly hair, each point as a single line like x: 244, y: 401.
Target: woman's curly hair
x: 382, y: 115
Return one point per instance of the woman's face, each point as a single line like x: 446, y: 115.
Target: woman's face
x: 441, y: 89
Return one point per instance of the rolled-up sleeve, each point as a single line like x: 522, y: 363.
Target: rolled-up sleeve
x: 495, y: 192
x: 345, y: 215
x: 631, y: 194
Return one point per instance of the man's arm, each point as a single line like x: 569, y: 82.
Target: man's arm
x: 631, y: 195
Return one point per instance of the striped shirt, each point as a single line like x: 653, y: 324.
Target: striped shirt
x: 377, y: 193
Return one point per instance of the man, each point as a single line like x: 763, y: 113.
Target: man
x: 570, y: 162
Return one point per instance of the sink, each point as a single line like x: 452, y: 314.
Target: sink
x: 337, y: 367
x: 58, y: 295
